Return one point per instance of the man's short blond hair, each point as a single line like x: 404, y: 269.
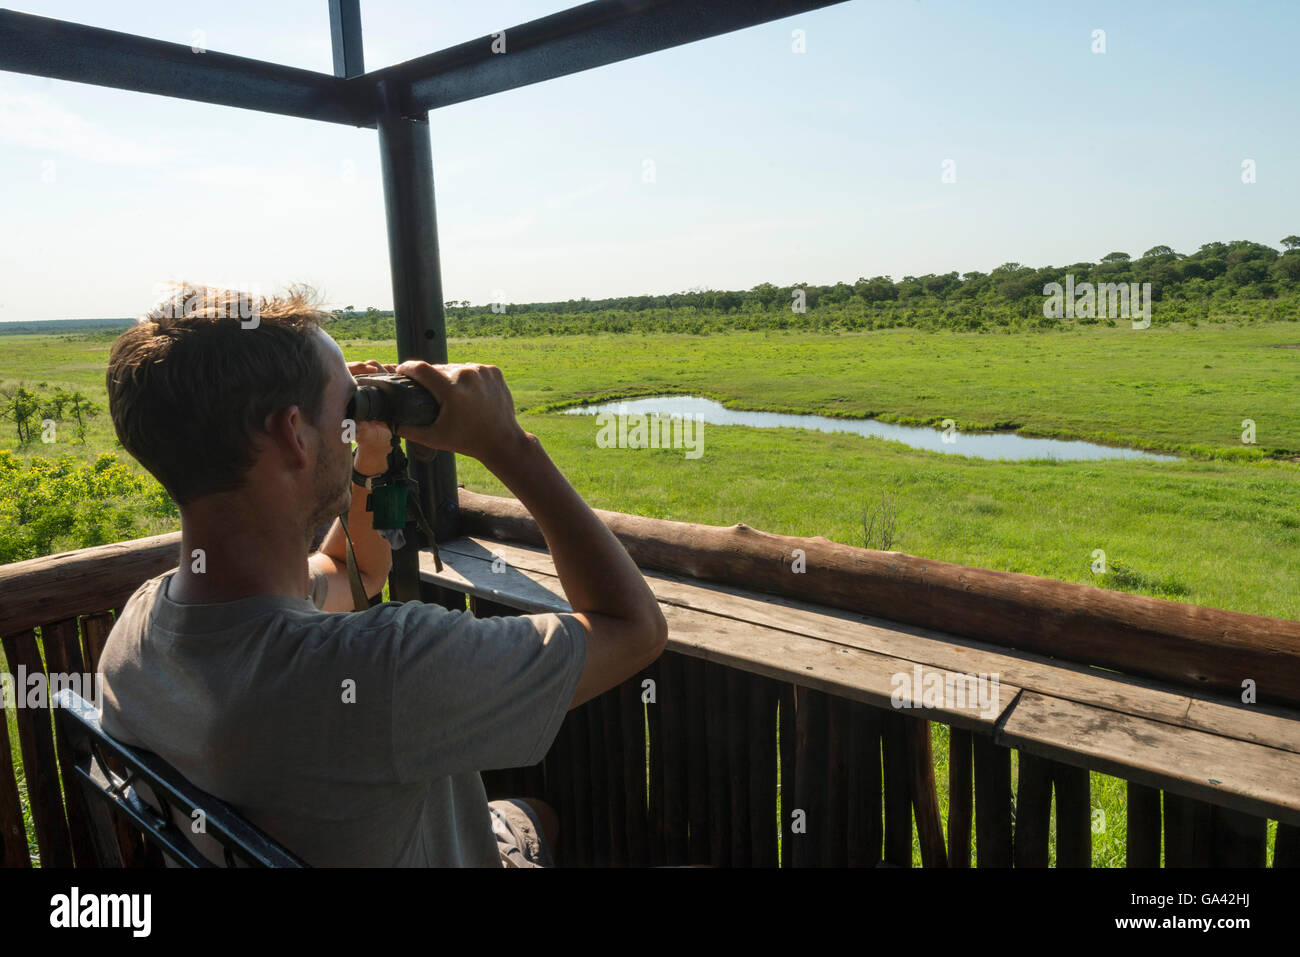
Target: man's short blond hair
x: 191, y: 384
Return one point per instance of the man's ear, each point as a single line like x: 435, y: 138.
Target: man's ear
x: 287, y: 430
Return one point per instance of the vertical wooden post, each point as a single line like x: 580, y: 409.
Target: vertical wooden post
x: 739, y: 735
x: 1073, y: 815
x: 715, y: 736
x: 674, y: 714
x: 40, y: 766
x: 1188, y: 831
x: 898, y: 791
x: 632, y: 718
x: 762, y: 770
x: 810, y: 778
x: 1142, y: 840
x: 992, y: 803
x: 925, y: 797
x: 1033, y: 811
x: 13, y: 835
x: 697, y: 763
x: 959, y: 797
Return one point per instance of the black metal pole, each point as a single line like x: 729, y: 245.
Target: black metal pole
x: 406, y: 158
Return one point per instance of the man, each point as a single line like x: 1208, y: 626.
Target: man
x: 352, y: 738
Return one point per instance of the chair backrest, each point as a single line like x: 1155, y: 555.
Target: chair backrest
x: 155, y: 798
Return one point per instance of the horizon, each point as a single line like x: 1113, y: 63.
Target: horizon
x: 962, y: 136
x: 355, y: 310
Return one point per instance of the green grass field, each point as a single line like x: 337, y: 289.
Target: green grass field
x: 1220, y: 527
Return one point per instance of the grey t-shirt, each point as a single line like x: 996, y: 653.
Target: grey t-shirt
x: 352, y: 738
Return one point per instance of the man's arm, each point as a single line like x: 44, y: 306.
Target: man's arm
x: 374, y: 555
x: 626, y: 630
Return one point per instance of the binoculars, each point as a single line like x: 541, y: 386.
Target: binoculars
x: 392, y: 399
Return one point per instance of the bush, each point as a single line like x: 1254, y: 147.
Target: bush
x: 50, y: 505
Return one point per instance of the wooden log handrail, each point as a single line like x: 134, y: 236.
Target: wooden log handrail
x: 1189, y: 645
x: 84, y: 582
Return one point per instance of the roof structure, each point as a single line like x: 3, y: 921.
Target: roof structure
x: 396, y: 101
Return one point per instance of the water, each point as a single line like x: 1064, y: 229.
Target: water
x: 984, y: 445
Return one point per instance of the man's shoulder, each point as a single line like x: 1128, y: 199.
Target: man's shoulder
x: 136, y: 609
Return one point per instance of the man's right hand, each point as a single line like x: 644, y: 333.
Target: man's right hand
x: 477, y: 417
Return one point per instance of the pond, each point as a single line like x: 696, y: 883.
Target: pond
x: 984, y: 445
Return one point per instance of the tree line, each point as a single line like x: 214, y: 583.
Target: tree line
x: 1240, y: 277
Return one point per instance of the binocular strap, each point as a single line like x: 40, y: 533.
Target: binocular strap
x: 360, y: 600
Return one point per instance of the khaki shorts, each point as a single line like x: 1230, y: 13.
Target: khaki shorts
x: 519, y: 834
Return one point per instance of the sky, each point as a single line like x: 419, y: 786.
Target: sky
x: 908, y: 137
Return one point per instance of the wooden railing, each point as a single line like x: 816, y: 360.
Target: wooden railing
x: 769, y: 730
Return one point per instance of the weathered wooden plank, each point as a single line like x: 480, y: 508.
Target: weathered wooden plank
x: 1218, y: 770
x: 823, y: 667
x: 715, y: 736
x: 739, y: 733
x: 1033, y: 811
x: 1144, y: 827
x: 811, y: 774
x: 1262, y: 724
x: 598, y: 777
x: 61, y: 641
x: 925, y: 797
x: 1238, y: 840
x: 675, y: 719
x: 1191, y: 645
x: 992, y: 803
x: 616, y: 761
x: 1286, y: 846
x: 865, y: 829
x: 959, y: 797
x: 1188, y: 832
x: 560, y: 792
x: 94, y: 634
x: 762, y: 770
x: 13, y: 835
x: 583, y: 834
x: 835, y: 848
x: 1073, y: 815
x: 95, y: 630
x: 40, y: 765
x: 632, y: 719
x: 697, y: 763
x: 656, y: 836
x: 898, y: 790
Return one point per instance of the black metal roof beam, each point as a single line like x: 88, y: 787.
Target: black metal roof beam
x: 578, y: 39
x: 71, y: 51
x: 345, y: 36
